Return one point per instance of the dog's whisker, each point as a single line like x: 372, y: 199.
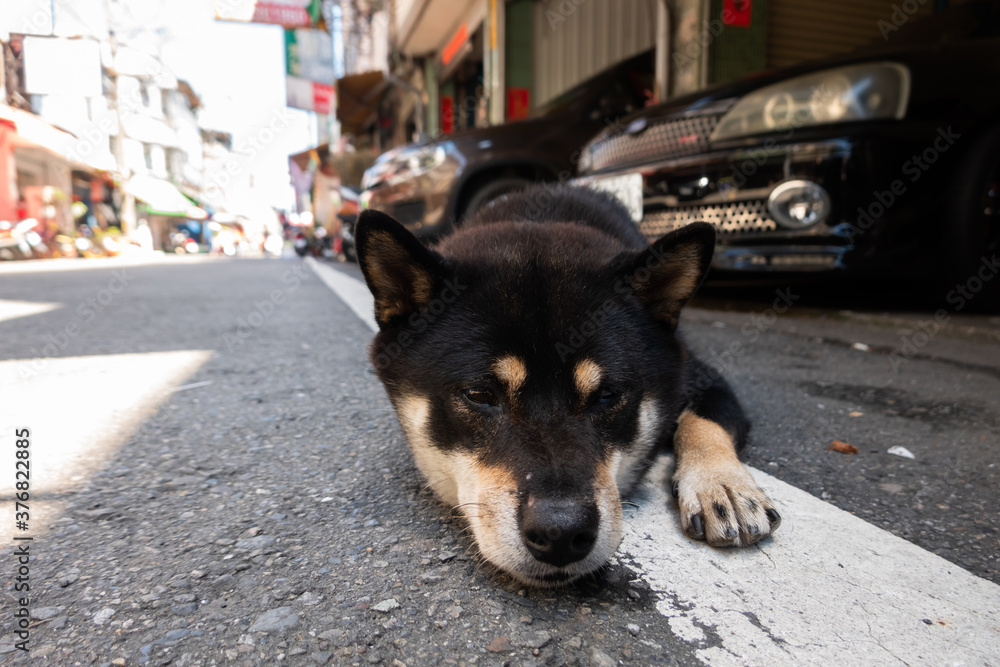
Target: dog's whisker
x: 431, y: 483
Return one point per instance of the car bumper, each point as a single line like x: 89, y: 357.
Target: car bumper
x: 870, y: 226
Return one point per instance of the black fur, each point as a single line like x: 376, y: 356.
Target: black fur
x: 550, y: 276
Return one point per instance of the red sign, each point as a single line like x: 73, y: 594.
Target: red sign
x: 518, y: 103
x: 447, y: 114
x: 286, y: 15
x: 309, y: 95
x: 322, y: 98
x: 736, y: 13
x: 455, y: 43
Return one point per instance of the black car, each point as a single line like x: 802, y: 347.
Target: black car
x: 430, y: 186
x: 881, y: 162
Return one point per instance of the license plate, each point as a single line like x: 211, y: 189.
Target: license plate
x: 627, y: 188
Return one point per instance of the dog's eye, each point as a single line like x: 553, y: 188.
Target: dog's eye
x: 481, y: 396
x: 604, y: 398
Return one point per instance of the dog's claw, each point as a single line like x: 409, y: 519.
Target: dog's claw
x: 725, y: 508
x: 675, y: 489
x: 697, y: 527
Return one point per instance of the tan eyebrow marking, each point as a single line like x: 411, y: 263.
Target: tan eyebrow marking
x: 587, y: 376
x: 511, y: 371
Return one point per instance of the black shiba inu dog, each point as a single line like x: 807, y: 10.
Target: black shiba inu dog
x: 533, y: 362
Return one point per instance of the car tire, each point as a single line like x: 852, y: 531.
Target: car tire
x: 972, y: 279
x: 491, y: 190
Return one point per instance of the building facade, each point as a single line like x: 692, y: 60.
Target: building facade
x: 456, y: 64
x: 105, y: 141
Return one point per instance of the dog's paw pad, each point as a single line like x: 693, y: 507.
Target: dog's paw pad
x: 726, y: 509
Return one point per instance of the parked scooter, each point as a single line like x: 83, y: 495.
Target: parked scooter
x: 301, y: 244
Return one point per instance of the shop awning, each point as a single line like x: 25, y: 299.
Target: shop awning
x: 33, y: 132
x: 163, y: 198
x: 310, y: 158
x: 358, y: 96
x: 431, y: 23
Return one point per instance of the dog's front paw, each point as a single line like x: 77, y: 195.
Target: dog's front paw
x: 723, y: 505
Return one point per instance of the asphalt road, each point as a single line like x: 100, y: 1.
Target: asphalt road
x: 219, y: 478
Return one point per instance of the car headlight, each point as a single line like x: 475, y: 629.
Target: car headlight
x: 409, y: 162
x: 845, y: 94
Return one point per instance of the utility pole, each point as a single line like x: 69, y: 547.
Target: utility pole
x: 661, y: 88
x: 333, y: 17
x: 127, y: 212
x: 493, y: 65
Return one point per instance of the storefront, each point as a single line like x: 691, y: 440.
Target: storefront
x: 798, y: 31
x: 36, y: 170
x: 444, y: 40
x: 746, y: 36
x: 573, y: 41
x: 460, y: 75
x: 164, y: 209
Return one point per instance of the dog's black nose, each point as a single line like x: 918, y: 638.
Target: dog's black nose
x: 558, y: 531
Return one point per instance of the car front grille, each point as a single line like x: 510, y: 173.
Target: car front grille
x: 737, y: 217
x: 660, y: 141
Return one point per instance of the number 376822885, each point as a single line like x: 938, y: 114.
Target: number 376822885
x: 22, y: 476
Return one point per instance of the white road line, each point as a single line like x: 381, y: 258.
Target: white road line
x: 828, y: 588
x: 351, y: 291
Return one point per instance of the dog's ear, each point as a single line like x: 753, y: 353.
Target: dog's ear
x: 400, y: 271
x: 667, y: 273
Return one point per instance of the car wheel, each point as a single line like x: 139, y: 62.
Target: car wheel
x: 492, y: 190
x: 973, y: 276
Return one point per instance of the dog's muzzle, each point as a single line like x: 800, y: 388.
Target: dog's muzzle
x: 559, y: 531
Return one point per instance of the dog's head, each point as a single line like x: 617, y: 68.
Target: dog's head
x: 534, y: 370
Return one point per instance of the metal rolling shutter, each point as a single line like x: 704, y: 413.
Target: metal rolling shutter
x: 800, y: 31
x: 575, y: 40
